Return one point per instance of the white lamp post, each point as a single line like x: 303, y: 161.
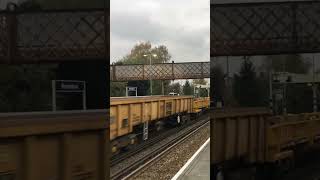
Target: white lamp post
x: 154, y: 55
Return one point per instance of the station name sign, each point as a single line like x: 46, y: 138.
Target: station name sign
x: 69, y: 86
x: 132, y: 88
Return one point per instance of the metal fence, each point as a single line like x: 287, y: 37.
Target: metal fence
x: 265, y: 28
x: 52, y: 35
x: 166, y: 71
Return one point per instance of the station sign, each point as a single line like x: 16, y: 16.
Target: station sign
x: 131, y: 91
x: 71, y: 86
x: 68, y: 86
x: 132, y: 88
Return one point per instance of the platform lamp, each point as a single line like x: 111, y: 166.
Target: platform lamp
x: 150, y: 55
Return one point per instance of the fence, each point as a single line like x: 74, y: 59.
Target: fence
x: 166, y: 71
x: 53, y: 35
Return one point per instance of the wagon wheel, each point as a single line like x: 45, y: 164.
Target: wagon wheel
x: 114, y: 150
x: 159, y: 126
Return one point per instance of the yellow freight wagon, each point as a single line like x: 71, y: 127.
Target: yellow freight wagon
x: 54, y: 145
x: 128, y: 112
x: 200, y: 104
x: 255, y: 137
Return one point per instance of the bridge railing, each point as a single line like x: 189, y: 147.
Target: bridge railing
x: 52, y: 35
x: 165, y: 71
x: 265, y: 28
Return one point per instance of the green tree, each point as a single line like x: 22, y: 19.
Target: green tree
x: 217, y: 82
x: 138, y: 52
x: 157, y: 87
x: 25, y: 87
x: 298, y: 96
x: 118, y: 89
x: 199, y: 81
x: 29, y: 5
x: 137, y: 56
x: 202, y: 92
x: 187, y: 88
x: 247, y: 90
x: 175, y: 87
x: 293, y: 63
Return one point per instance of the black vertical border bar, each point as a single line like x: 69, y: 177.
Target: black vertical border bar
x: 213, y: 169
x: 107, y: 59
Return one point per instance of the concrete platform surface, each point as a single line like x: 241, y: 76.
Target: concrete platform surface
x: 198, y: 166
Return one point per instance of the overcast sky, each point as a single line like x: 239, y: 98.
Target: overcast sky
x: 181, y: 25
x: 248, y: 1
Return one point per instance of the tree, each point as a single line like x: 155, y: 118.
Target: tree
x: 298, y: 96
x: 175, y: 87
x: 157, y: 87
x: 293, y: 63
x: 137, y: 53
x: 246, y: 86
x: 199, y: 81
x: 118, y: 89
x: 187, y: 88
x: 30, y: 5
x: 137, y: 56
x: 217, y: 81
x: 202, y: 91
x: 26, y: 87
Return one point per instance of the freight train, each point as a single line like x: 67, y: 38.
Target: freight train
x: 253, y: 137
x: 133, y: 116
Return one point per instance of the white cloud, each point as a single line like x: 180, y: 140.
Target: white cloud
x: 181, y: 25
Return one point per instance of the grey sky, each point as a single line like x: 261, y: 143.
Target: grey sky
x: 248, y: 1
x: 181, y: 25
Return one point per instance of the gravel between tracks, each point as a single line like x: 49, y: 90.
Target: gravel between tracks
x: 171, y: 163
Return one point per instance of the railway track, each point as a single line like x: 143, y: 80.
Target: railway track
x: 121, y: 157
x: 133, y: 168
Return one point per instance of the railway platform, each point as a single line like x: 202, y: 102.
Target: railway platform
x: 198, y: 166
